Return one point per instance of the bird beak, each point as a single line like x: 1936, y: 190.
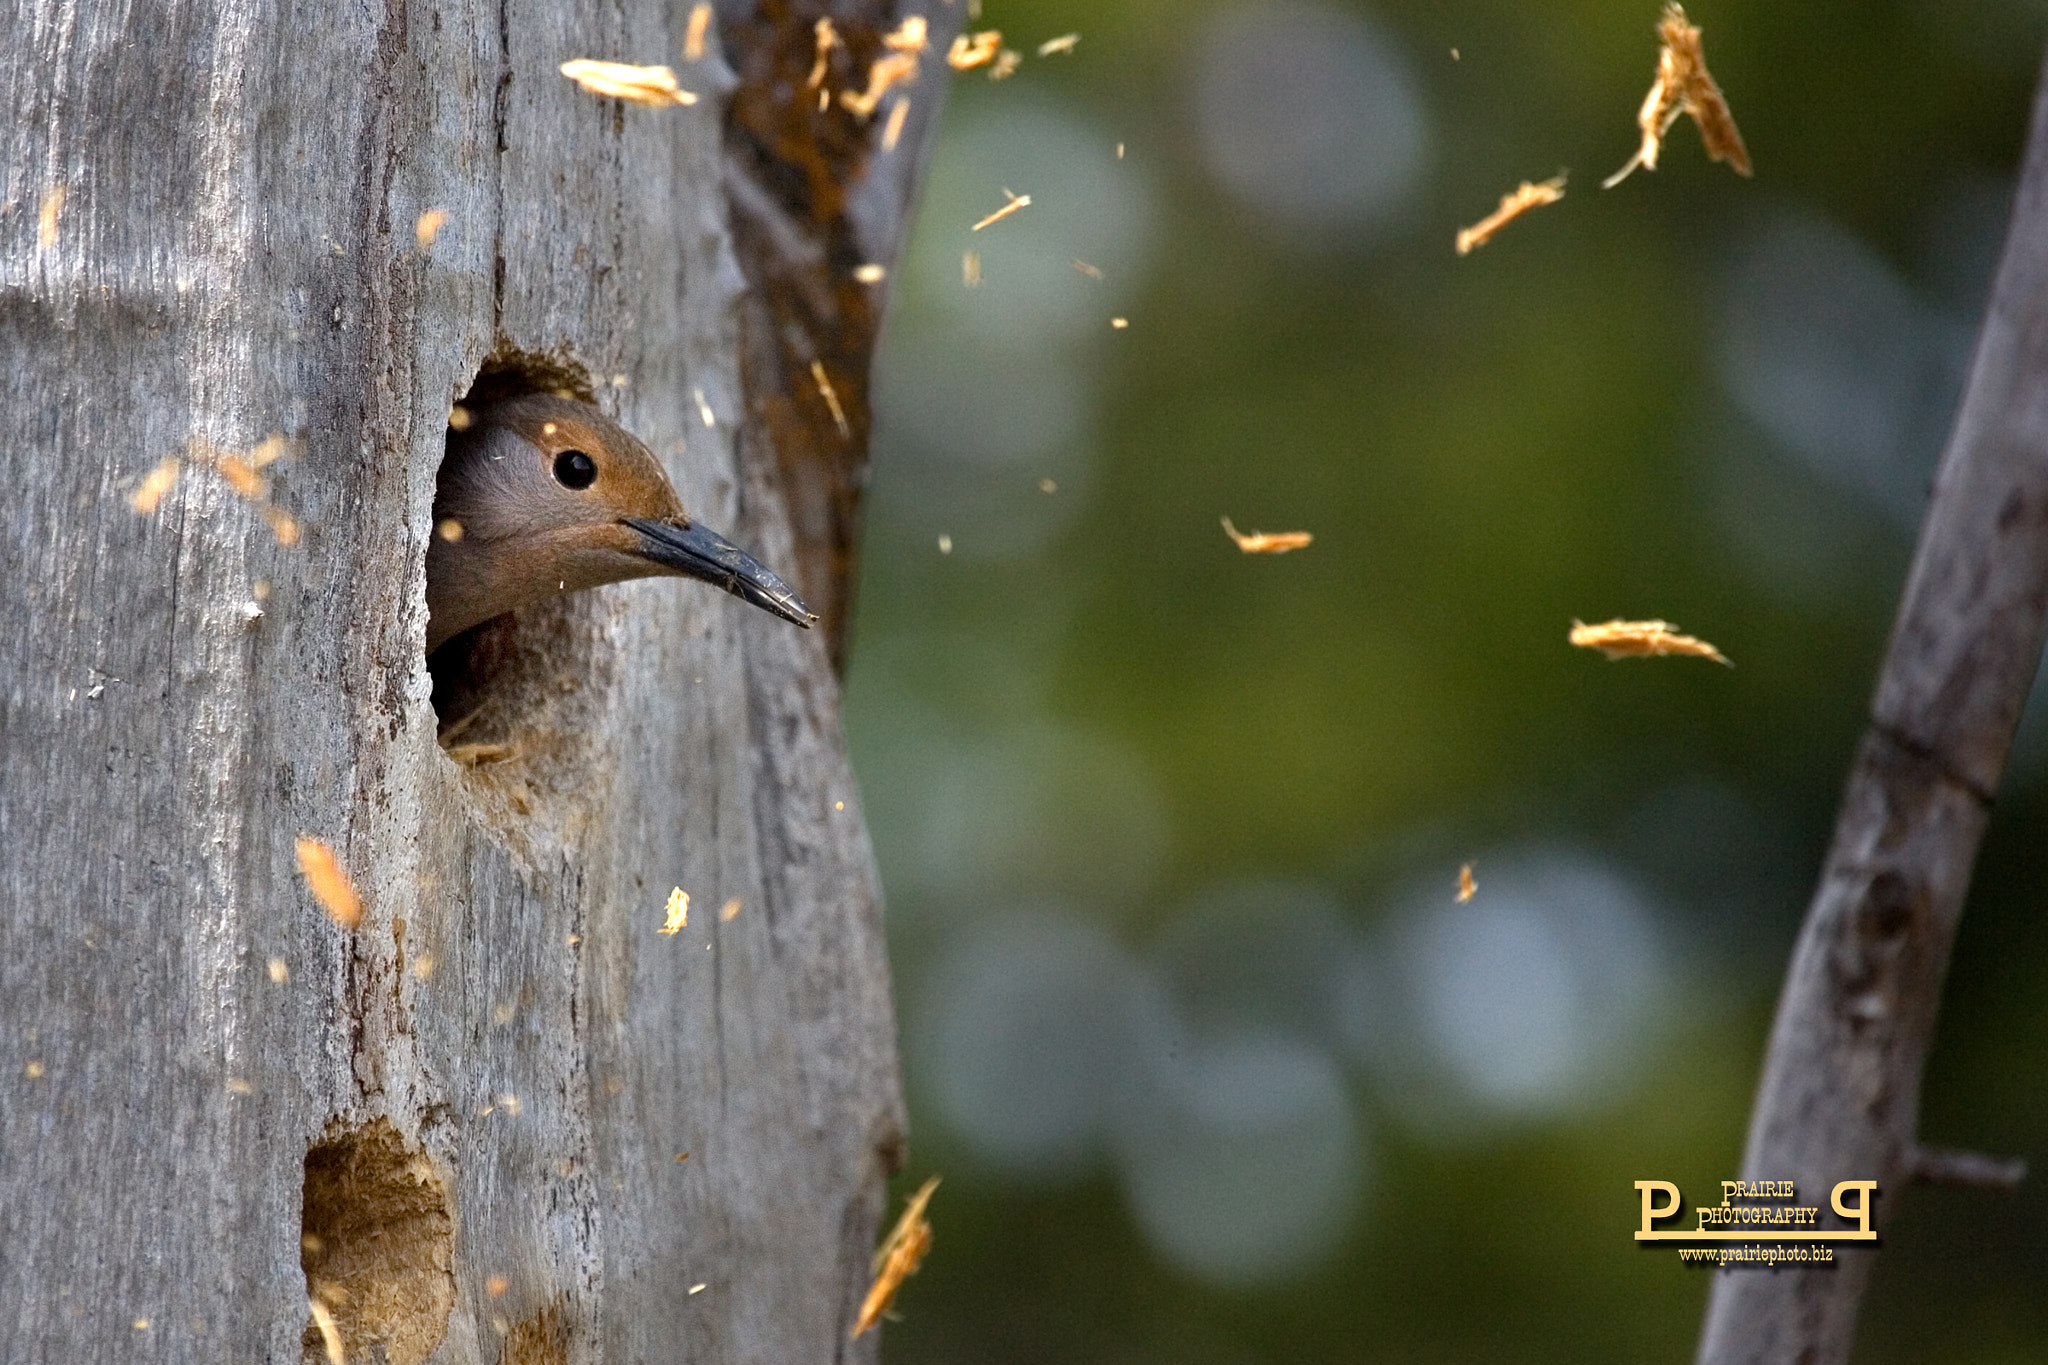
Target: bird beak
x: 702, y: 553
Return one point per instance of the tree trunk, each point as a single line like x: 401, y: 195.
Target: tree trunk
x: 1840, y: 1096
x: 459, y: 1127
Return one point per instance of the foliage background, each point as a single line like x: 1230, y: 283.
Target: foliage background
x: 1215, y: 1067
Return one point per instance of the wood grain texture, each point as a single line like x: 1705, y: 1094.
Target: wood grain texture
x: 1840, y: 1096
x: 505, y: 1036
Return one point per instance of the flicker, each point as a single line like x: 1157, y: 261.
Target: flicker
x: 542, y: 495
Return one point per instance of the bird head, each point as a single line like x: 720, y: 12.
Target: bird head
x: 541, y: 495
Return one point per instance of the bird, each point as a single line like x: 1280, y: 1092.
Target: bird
x: 540, y: 494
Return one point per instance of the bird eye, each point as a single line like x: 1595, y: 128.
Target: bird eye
x: 574, y: 469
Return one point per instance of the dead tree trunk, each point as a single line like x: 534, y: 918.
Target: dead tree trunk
x: 461, y: 1125
x: 1840, y: 1097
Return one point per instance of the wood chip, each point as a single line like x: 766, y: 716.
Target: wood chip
x: 429, y: 227
x: 1619, y: 639
x: 871, y: 273
x: 1683, y: 86
x: 1512, y: 206
x: 727, y: 911
x: 1267, y: 543
x: 977, y: 49
x: 1066, y: 42
x: 241, y: 476
x: 1017, y: 201
x: 46, y: 217
x: 700, y: 25
x: 476, y: 755
x: 909, y: 36
x: 1086, y: 269
x: 654, y: 86
x: 826, y: 38
x: 1467, y: 888
x: 888, y: 72
x: 970, y: 268
x: 678, y: 912
x: 893, y: 130
x: 154, y: 485
x: 329, y: 883
x: 1005, y: 64
x: 329, y: 1333
x: 831, y: 397
x: 898, y: 1258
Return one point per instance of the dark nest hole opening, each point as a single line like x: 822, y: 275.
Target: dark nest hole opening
x: 377, y: 1244
x: 491, y: 677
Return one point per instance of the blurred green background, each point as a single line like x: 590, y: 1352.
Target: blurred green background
x: 1214, y: 1065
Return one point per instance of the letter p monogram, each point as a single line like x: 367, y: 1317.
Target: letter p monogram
x: 1650, y: 1189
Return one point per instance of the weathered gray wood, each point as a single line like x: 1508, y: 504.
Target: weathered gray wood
x: 495, y: 1074
x: 1840, y: 1095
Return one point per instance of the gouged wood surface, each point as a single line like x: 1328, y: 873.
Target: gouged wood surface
x: 235, y: 255
x: 1840, y: 1095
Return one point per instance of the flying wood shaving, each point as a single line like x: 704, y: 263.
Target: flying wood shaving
x: 1467, y: 888
x: 154, y: 485
x: 894, y: 128
x: 46, y: 215
x: 1512, y: 206
x: 977, y: 49
x: 727, y: 911
x: 1620, y: 639
x: 649, y: 85
x: 1006, y: 63
x: 1017, y: 201
x: 871, y: 273
x: 827, y: 39
x: 909, y: 36
x: 429, y: 227
x: 970, y: 271
x: 693, y: 38
x: 1066, y: 42
x: 1683, y: 86
x: 678, y: 912
x: 897, y: 68
x: 831, y: 398
x: 898, y: 1258
x: 329, y: 1333
x: 282, y: 526
x: 241, y: 476
x: 476, y: 755
x: 1264, y: 543
x: 329, y: 884
x: 1086, y: 269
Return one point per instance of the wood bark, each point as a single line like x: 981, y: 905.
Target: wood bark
x: 1840, y: 1094
x: 461, y: 1124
